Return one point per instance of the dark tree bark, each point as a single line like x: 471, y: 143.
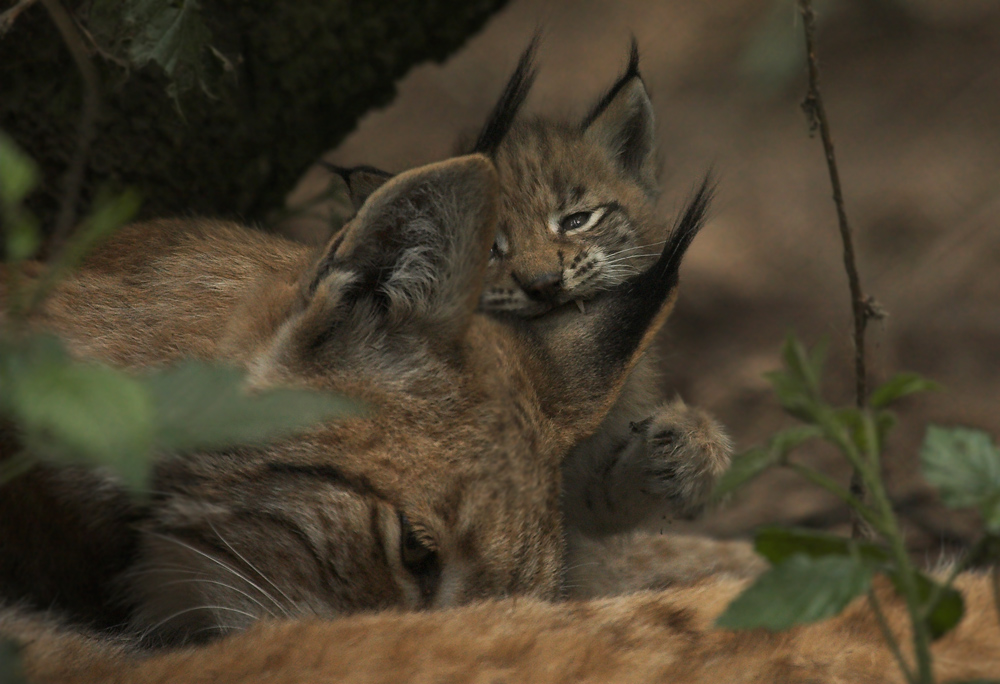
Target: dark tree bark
x: 305, y: 71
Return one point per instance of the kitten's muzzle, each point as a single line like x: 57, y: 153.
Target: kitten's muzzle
x: 544, y: 288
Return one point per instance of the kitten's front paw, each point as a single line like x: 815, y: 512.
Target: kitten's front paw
x: 686, y: 451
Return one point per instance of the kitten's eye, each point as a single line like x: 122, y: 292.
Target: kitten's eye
x: 495, y: 251
x: 575, y: 221
x: 420, y: 559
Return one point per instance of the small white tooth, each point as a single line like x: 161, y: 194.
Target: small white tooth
x: 579, y: 305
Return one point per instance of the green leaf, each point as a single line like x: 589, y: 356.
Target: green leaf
x: 778, y: 544
x: 753, y: 462
x: 10, y: 663
x: 798, y: 384
x: 800, y: 589
x: 948, y: 609
x: 863, y: 428
x: 71, y: 410
x: 806, y: 366
x: 885, y: 421
x: 901, y: 385
x: 23, y: 237
x: 946, y: 613
x: 204, y: 406
x: 964, y: 465
x: 18, y: 174
x: 173, y: 35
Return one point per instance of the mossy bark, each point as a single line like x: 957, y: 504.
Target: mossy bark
x: 305, y: 71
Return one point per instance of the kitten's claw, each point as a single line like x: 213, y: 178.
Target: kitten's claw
x: 580, y: 306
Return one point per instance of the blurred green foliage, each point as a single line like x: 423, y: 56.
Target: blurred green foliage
x: 816, y: 575
x: 71, y: 410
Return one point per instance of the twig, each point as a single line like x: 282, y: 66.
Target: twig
x: 889, y: 637
x: 860, y: 307
x: 87, y: 129
x: 96, y: 49
x: 8, y: 17
x: 995, y: 574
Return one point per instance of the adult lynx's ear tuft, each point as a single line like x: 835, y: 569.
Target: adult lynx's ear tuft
x: 622, y: 124
x: 590, y: 354
x: 416, y: 252
x: 644, y: 301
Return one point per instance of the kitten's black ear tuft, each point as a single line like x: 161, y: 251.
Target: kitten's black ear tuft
x: 622, y: 123
x: 631, y: 71
x: 361, y: 181
x: 507, y: 107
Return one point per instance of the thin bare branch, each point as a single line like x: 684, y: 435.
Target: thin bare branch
x: 8, y: 17
x: 861, y: 308
x: 890, y: 638
x: 87, y: 128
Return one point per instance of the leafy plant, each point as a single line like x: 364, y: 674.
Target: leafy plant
x: 816, y: 575
x: 70, y: 410
x: 168, y: 33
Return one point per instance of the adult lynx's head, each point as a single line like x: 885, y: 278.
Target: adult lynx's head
x: 447, y: 490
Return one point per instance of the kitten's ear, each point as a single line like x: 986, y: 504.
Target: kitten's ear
x: 622, y: 124
x: 416, y: 253
x: 361, y: 181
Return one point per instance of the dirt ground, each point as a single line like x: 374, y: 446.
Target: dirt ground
x: 912, y: 89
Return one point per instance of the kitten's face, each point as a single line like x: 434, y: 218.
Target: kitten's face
x: 571, y: 224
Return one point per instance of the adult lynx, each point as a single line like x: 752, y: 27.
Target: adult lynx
x: 447, y: 492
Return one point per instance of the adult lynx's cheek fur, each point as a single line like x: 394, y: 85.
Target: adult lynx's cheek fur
x: 446, y: 491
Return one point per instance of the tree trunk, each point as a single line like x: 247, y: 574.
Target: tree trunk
x: 305, y: 71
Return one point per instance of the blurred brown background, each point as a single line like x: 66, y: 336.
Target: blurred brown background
x: 912, y: 88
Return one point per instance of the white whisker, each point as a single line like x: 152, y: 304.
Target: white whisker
x: 221, y: 584
x: 254, y: 568
x: 227, y: 567
x: 146, y: 633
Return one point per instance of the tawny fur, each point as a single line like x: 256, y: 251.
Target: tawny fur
x: 469, y: 416
x: 577, y: 217
x: 666, y: 636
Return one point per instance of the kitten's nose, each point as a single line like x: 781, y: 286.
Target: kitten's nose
x: 545, y: 287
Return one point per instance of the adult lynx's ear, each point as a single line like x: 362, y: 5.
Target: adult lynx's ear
x: 622, y: 124
x: 416, y: 252
x: 592, y: 353
x: 361, y: 181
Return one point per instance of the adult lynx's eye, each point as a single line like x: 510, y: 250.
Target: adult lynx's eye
x: 419, y: 558
x: 575, y: 221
